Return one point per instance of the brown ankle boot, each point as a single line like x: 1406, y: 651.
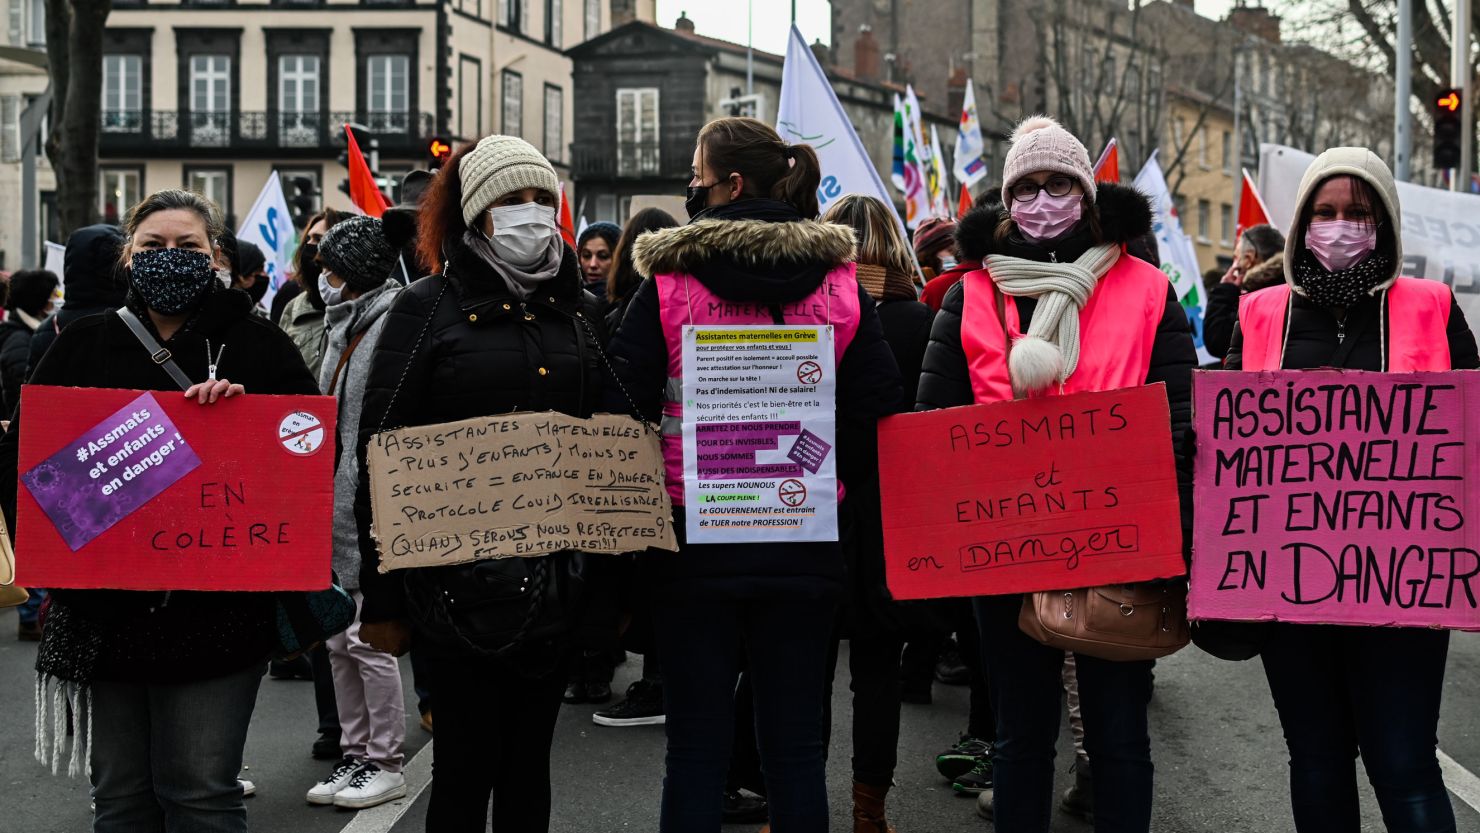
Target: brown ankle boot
x: 868, y: 809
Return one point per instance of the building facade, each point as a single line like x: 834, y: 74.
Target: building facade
x: 23, y: 80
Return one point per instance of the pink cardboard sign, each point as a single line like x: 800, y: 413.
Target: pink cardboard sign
x: 1337, y: 497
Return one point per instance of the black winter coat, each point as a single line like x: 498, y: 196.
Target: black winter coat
x: 485, y: 352
x: 1219, y: 318
x: 907, y: 329
x: 196, y: 635
x: 1125, y: 217
x: 15, y: 360
x: 771, y: 261
x: 92, y: 282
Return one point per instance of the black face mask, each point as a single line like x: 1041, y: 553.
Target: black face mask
x: 698, y: 199
x: 171, y: 280
x: 258, y: 288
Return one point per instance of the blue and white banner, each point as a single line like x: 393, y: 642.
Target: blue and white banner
x: 970, y: 163
x: 270, y: 226
x: 1178, y: 258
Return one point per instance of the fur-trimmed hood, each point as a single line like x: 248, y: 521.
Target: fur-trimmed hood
x: 749, y: 243
x: 1125, y: 217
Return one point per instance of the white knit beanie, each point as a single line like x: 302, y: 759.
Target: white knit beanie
x: 1040, y: 144
x: 497, y: 166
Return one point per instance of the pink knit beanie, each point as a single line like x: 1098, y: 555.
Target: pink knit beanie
x: 1040, y: 144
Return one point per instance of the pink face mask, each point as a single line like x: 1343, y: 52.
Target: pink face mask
x: 1047, y: 217
x: 1340, y: 244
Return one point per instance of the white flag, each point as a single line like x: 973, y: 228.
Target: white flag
x: 270, y: 226
x: 970, y: 165
x: 1178, y: 258
x: 810, y: 114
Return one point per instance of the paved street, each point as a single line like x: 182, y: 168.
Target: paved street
x: 1220, y: 759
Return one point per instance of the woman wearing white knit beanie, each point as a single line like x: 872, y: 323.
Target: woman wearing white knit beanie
x: 1066, y: 302
x: 505, y: 326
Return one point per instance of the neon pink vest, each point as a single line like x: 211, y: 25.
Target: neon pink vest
x: 683, y: 299
x: 1417, y: 321
x: 1117, y: 329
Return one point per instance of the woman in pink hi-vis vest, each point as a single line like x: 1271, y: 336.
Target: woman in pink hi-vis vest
x: 752, y: 254
x: 1341, y: 690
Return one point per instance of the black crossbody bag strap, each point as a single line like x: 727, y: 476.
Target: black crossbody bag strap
x: 157, y: 352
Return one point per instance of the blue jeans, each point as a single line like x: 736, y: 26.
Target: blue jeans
x: 165, y: 758
x: 1344, y: 689
x: 32, y: 607
x: 1027, y: 690
x: 785, y: 646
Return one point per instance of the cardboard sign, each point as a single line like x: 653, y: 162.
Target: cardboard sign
x: 1337, y: 497
x: 752, y: 473
x: 145, y: 490
x: 517, y: 485
x: 1037, y: 494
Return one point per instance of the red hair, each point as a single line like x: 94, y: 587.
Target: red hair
x: 441, y: 219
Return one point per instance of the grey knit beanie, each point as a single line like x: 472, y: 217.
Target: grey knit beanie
x: 358, y: 251
x: 497, y: 166
x: 1040, y: 144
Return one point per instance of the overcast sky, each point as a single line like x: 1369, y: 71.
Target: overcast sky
x: 726, y: 19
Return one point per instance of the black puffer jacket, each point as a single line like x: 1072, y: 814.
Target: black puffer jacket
x: 485, y: 352
x: 196, y: 635
x: 765, y: 254
x: 15, y: 360
x: 1125, y: 217
x: 92, y: 283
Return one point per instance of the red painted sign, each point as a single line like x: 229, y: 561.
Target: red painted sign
x: 140, y: 490
x: 1038, y: 494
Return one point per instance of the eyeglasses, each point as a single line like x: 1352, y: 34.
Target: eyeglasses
x: 1056, y: 186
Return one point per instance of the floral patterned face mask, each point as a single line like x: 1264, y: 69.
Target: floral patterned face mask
x: 171, y: 281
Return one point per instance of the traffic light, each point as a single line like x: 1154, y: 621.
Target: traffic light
x: 303, y: 201
x: 1448, y: 130
x: 440, y: 149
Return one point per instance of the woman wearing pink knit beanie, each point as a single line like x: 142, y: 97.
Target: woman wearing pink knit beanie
x: 1060, y: 307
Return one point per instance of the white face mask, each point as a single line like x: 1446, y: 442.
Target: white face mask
x: 331, y: 294
x: 521, y: 233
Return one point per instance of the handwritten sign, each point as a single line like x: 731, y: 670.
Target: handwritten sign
x: 140, y: 490
x: 1337, y: 497
x: 517, y: 485
x: 1038, y: 494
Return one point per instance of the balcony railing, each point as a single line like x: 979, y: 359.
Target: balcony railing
x: 128, y: 131
x: 633, y: 160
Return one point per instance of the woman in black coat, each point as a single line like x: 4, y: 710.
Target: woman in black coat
x: 171, y: 677
x: 505, y: 327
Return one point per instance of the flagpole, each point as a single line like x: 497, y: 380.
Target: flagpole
x: 750, y: 46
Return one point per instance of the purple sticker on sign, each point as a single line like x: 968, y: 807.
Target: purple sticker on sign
x: 114, y: 468
x: 809, y: 451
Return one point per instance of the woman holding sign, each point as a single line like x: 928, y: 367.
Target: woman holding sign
x: 505, y: 326
x: 760, y: 276
x: 1060, y: 307
x: 161, y: 685
x: 1341, y: 690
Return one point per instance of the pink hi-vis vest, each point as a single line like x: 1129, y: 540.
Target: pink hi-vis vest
x: 683, y: 300
x: 1416, y: 326
x: 1117, y: 329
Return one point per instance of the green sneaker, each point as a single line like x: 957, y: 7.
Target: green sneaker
x: 978, y: 780
x: 960, y: 758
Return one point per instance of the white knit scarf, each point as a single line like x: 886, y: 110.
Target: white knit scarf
x: 1048, y: 353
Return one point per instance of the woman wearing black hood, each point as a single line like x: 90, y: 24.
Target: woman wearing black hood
x: 91, y: 283
x: 162, y: 683
x: 752, y: 254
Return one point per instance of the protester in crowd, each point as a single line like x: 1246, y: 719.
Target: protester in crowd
x: 934, y: 293
x: 624, y: 280
x: 290, y: 289
x: 506, y: 326
x: 27, y: 301
x: 595, y: 247
x: 250, y: 273
x: 303, y: 318
x: 91, y: 279
x: 161, y: 685
x: 934, y: 246
x: 873, y: 624
x: 1057, y: 250
x: 749, y: 249
x: 407, y: 213
x: 358, y: 284
x: 1341, y: 691
x: 1254, y: 248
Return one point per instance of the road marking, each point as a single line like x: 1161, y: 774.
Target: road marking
x: 1460, y: 781
x: 418, y: 772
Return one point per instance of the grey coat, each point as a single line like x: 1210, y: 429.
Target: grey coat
x: 343, y: 322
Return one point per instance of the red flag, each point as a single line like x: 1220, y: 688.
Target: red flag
x: 363, y: 191
x: 1108, y: 168
x: 966, y: 202
x: 567, y: 225
x: 1251, y: 210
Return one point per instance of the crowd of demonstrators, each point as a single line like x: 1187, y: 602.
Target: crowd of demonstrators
x: 303, y: 317
x: 1258, y: 263
x: 30, y: 297
x: 596, y: 248
x: 623, y: 280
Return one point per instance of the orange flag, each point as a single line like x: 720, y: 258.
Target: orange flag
x: 1251, y: 210
x: 966, y: 202
x: 567, y: 225
x: 1108, y: 168
x: 363, y: 191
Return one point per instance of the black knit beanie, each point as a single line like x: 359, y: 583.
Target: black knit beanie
x: 610, y: 232
x: 357, y: 251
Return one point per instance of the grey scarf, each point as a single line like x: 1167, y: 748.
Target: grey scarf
x: 522, y: 282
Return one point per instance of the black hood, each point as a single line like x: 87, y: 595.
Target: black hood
x: 1125, y: 218
x: 92, y: 277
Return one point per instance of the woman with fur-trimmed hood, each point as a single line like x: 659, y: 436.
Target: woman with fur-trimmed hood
x: 752, y: 254
x: 1060, y: 306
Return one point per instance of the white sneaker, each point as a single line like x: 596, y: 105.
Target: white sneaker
x: 324, y: 791
x: 370, y: 786
x: 248, y: 788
